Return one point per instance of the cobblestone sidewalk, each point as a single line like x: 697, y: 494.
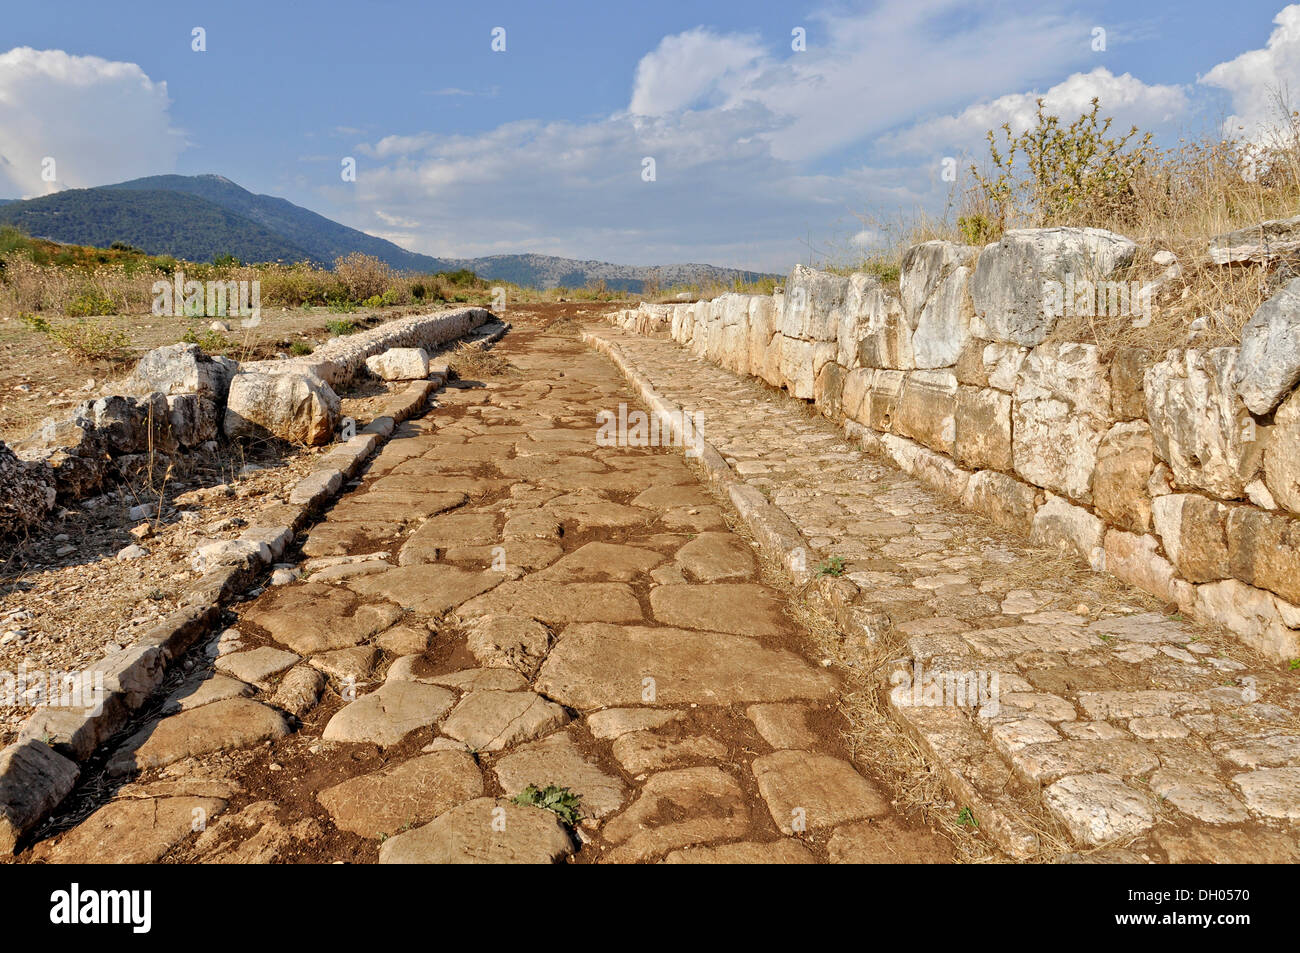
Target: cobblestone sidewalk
x: 1143, y: 736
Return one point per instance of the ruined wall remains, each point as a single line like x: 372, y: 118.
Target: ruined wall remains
x: 1178, y: 472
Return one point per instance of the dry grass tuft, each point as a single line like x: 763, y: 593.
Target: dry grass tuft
x: 470, y: 361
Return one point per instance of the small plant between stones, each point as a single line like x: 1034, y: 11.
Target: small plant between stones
x: 831, y: 567
x: 563, y: 802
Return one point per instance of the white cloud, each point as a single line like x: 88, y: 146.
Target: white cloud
x: 744, y: 137
x: 1126, y: 98
x: 101, y: 121
x: 1254, y: 78
x: 692, y: 66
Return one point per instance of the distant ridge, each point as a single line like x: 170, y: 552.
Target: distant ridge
x: 201, y: 217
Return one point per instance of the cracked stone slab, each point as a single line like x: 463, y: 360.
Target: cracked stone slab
x: 558, y: 761
x: 677, y: 809
x: 1099, y: 808
x: 807, y: 791
x: 402, y: 795
x: 558, y: 603
x: 738, y: 608
x: 390, y: 713
x: 595, y: 665
x: 426, y: 589
x: 613, y: 722
x: 234, y: 723
x: 134, y: 831
x: 313, y: 617
x: 483, y: 831
x: 256, y: 666
x: 492, y: 720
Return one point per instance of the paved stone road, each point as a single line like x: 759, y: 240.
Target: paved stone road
x: 503, y: 605
x: 1160, y: 739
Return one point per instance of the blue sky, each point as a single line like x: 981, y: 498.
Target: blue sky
x: 760, y: 150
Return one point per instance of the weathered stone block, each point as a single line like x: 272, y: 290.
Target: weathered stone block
x: 1264, y: 551
x: 829, y: 391
x: 1060, y: 525
x: 1269, y: 363
x: 1127, y: 373
x: 983, y: 428
x: 927, y: 409
x: 1010, y: 286
x: 1003, y: 499
x: 1125, y: 461
x: 1199, y: 424
x: 1193, y: 531
x: 1282, y: 455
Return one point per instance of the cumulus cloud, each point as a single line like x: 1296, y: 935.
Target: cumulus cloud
x: 100, y: 121
x: 693, y: 66
x: 1126, y: 98
x: 1254, y: 78
x: 746, y: 139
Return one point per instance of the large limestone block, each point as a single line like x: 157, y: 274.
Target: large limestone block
x: 1002, y: 363
x: 1269, y: 364
x: 927, y: 409
x: 922, y: 271
x: 944, y: 325
x: 1005, y: 500
x: 854, y: 392
x: 829, y: 390
x: 179, y: 369
x: 1258, y: 618
x: 400, y: 364
x: 1058, y: 524
x: 762, y: 326
x: 34, y: 778
x: 293, y: 406
x: 814, y: 301
x: 1282, y: 455
x: 1061, y: 413
x: 866, y: 310
x: 1010, y: 286
x: 1199, y: 424
x: 1125, y: 461
x: 983, y: 428
x: 1193, y: 531
x: 1260, y: 243
x: 881, y: 399
x: 1264, y: 550
x: 1137, y: 561
x: 801, y: 362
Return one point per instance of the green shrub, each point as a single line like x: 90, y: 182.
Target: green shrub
x: 90, y: 303
x: 300, y: 348
x: 91, y: 340
x: 340, y: 327
x: 563, y: 802
x: 35, y: 322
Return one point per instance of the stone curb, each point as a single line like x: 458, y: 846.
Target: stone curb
x: 956, y: 754
x: 39, y: 769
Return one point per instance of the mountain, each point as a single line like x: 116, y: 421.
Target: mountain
x: 322, y: 239
x: 201, y: 217
x: 155, y: 221
x: 548, y: 271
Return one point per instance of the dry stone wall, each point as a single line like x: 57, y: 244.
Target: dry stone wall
x: 1179, y: 472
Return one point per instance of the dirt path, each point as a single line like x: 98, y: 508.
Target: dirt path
x: 504, y: 611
